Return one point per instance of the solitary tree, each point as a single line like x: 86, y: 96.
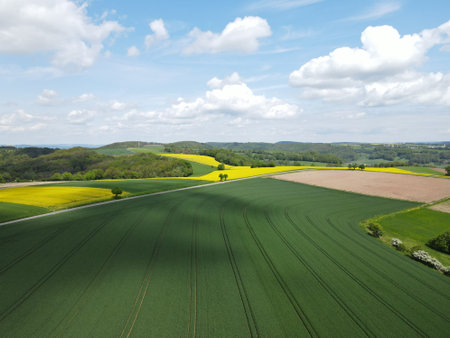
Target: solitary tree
x: 221, y: 176
x: 362, y: 166
x: 355, y: 165
x: 447, y: 170
x: 221, y: 166
x: 116, y: 191
x: 225, y: 176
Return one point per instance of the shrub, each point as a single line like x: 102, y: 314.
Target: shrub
x: 56, y: 177
x: 441, y: 242
x: 67, y: 176
x: 78, y: 177
x: 425, y: 258
x: 375, y: 230
x: 221, y: 166
x: 398, y: 244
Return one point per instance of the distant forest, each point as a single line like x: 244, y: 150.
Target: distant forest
x: 283, y: 153
x: 118, y: 161
x: 33, y: 163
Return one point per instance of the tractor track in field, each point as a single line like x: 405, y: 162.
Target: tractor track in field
x: 353, y: 277
x: 51, y: 272
x: 193, y: 281
x: 381, y: 274
x: 391, y: 252
x: 145, y: 283
x: 341, y: 303
x: 251, y: 321
x: 33, y: 249
x: 290, y: 296
x: 84, y: 297
x: 408, y: 261
x: 385, y: 276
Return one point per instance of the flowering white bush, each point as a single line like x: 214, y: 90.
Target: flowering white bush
x: 396, y: 242
x: 424, y: 257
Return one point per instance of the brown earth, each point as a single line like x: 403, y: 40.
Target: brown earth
x: 444, y: 207
x: 404, y: 187
x: 441, y: 170
x: 25, y: 184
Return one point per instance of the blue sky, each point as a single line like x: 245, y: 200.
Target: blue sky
x: 266, y: 70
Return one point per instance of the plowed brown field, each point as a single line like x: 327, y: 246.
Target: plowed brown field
x: 404, y: 187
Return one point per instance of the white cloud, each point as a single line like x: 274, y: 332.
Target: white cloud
x: 242, y: 35
x: 116, y: 105
x: 80, y: 116
x: 381, y: 72
x: 84, y: 97
x: 233, y: 79
x: 232, y: 97
x: 159, y: 33
x: 281, y: 4
x: 48, y: 97
x: 133, y: 51
x: 19, y: 121
x: 379, y: 10
x: 61, y: 27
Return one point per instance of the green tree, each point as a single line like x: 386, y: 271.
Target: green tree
x: 56, y: 177
x: 362, y: 166
x: 447, y: 170
x: 221, y: 177
x: 350, y: 166
x: 225, y: 177
x: 78, y: 177
x: 375, y: 230
x: 221, y: 166
x: 67, y: 176
x: 116, y: 191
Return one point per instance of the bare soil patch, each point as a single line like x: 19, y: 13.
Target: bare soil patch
x: 441, y: 170
x: 444, y: 207
x: 404, y: 187
x: 25, y: 184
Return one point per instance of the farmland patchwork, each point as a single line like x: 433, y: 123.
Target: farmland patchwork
x: 260, y: 257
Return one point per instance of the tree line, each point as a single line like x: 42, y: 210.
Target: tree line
x: 83, y: 164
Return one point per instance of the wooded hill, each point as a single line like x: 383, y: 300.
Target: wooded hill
x: 81, y: 163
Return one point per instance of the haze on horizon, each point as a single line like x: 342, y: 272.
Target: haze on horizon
x: 98, y: 72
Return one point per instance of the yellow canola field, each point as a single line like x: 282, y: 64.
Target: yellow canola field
x: 54, y: 197
x: 202, y: 159
x: 243, y: 172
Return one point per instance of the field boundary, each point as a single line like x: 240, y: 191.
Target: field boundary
x: 135, y: 197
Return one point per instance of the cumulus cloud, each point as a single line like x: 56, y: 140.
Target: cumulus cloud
x: 160, y: 33
x: 48, y: 97
x: 133, y: 51
x: 61, y: 27
x: 116, y: 105
x: 242, y: 35
x: 80, y: 116
x: 84, y: 97
x: 381, y: 72
x: 20, y: 121
x: 231, y: 96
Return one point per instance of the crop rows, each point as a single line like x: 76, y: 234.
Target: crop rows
x: 253, y: 258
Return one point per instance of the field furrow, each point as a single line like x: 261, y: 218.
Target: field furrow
x: 253, y: 258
